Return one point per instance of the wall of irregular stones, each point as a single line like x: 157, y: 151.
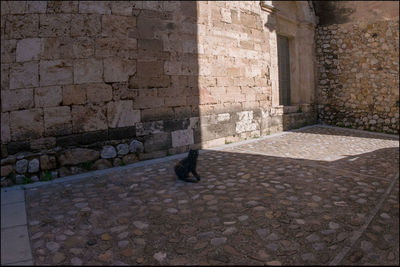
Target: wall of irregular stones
x: 87, y: 85
x: 358, y: 63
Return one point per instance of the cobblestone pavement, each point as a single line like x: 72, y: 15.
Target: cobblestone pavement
x: 316, y: 196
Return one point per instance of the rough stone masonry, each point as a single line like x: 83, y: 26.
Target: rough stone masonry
x: 89, y: 85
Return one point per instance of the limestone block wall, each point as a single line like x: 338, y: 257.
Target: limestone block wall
x: 358, y: 63
x: 88, y: 85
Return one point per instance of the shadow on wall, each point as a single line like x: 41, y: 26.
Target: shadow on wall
x: 166, y: 80
x: 331, y: 12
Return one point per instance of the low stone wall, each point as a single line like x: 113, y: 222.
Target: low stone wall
x: 359, y: 75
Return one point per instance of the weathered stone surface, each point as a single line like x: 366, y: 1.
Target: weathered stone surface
x: 43, y: 143
x: 16, y: 99
x: 98, y: 92
x: 73, y: 94
x: 136, y: 146
x: 22, y: 26
x: 57, y: 48
x: 62, y: 6
x: 108, y: 152
x: 54, y: 25
x: 88, y: 118
x: 77, y: 155
x: 24, y: 75
x: 33, y: 166
x: 47, y: 162
x: 5, y: 76
x: 122, y: 114
x: 21, y: 166
x: 8, y: 48
x: 55, y: 72
x: 94, y: 7
x: 36, y: 6
x: 88, y: 70
x: 26, y: 124
x: 101, y: 164
x: 122, y: 149
x: 6, y: 170
x: 5, y: 128
x: 85, y: 25
x: 57, y: 121
x: 117, y: 26
x: 182, y: 137
x: 118, y: 70
x: 48, y: 96
x: 28, y: 49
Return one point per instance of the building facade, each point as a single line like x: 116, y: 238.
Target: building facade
x: 93, y: 84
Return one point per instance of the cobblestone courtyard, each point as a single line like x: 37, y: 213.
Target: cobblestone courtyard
x: 318, y: 195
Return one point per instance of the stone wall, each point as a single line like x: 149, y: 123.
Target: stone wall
x: 358, y: 63
x: 88, y: 85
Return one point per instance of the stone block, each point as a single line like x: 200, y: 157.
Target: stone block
x: 6, y: 170
x: 142, y: 102
x: 62, y: 7
x: 83, y: 47
x: 26, y: 124
x: 98, y: 93
x: 117, y: 26
x: 101, y: 164
x: 57, y: 121
x: 94, y: 7
x: 85, y: 25
x: 48, y: 96
x: 118, y: 69
x: 123, y: 8
x: 122, y: 149
x: 16, y: 99
x: 48, y: 162
x: 122, y: 133
x: 5, y: 76
x: 36, y: 6
x: 149, y: 128
x: 21, y: 166
x: 110, y: 46
x: 108, y: 152
x: 15, y: 147
x: 77, y: 155
x: 136, y: 146
x: 130, y: 158
x: 73, y: 95
x: 88, y: 118
x: 24, y: 75
x: 8, y: 48
x: 33, y: 166
x: 122, y: 92
x: 22, y: 26
x: 182, y: 138
x: 162, y: 113
x: 93, y: 137
x: 55, y: 72
x: 54, y: 25
x: 57, y: 48
x: 88, y: 71
x: 156, y: 142
x: 122, y: 114
x: 69, y: 140
x: 28, y: 49
x: 5, y: 128
x: 43, y: 143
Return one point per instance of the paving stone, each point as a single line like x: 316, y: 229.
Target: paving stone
x: 235, y: 214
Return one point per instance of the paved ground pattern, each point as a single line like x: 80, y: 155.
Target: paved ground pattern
x: 321, y: 195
